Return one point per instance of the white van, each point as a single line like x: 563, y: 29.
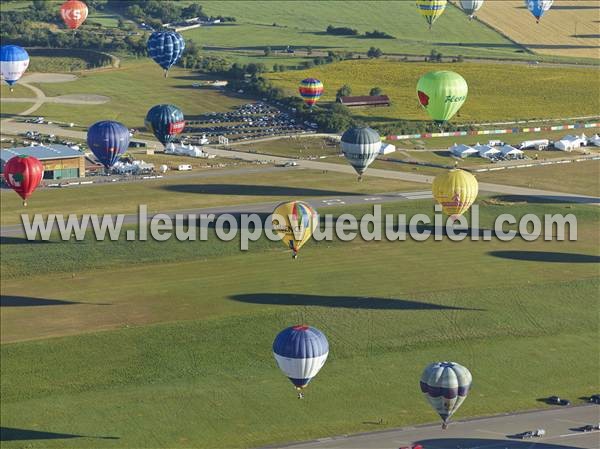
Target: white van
x: 184, y: 167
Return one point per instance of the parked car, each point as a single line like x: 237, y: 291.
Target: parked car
x: 589, y: 428
x: 595, y: 399
x: 555, y: 400
x: 538, y: 433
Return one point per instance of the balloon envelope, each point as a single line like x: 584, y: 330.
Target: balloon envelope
x: 300, y: 352
x: 360, y: 145
x: 538, y: 7
x: 445, y: 386
x: 442, y: 94
x: 23, y: 174
x: 297, y: 221
x: 74, y: 13
x: 14, y: 60
x: 311, y: 90
x: 455, y: 191
x: 108, y: 140
x: 431, y: 10
x: 165, y: 47
x: 471, y: 6
x: 165, y: 121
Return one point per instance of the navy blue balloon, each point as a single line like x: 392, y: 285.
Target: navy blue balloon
x: 165, y: 121
x: 108, y: 140
x: 165, y: 47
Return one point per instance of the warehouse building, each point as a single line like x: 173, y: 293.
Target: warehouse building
x: 59, y: 161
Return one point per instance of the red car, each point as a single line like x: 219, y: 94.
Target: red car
x: 413, y: 446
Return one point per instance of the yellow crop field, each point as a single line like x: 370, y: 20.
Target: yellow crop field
x: 497, y: 92
x: 570, y: 28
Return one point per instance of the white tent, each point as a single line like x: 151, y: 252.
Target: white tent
x: 487, y: 151
x: 462, y: 151
x: 595, y: 140
x: 535, y: 144
x: 510, y: 152
x: 569, y: 143
x: 387, y: 148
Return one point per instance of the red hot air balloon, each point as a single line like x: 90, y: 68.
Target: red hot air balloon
x: 74, y: 13
x: 23, y: 174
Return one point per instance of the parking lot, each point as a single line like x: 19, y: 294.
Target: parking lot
x: 248, y: 121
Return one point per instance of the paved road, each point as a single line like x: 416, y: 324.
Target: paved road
x: 12, y: 127
x: 486, y: 433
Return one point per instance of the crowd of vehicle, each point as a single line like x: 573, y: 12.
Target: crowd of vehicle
x: 248, y: 121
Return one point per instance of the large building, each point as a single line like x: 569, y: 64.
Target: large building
x: 59, y: 161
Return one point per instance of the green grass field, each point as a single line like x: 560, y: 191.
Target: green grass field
x: 178, y: 192
x: 303, y: 26
x: 9, y: 110
x: 133, y: 90
x: 154, y: 346
x: 576, y: 177
x: 506, y: 92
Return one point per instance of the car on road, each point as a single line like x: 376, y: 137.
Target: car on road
x: 538, y: 433
x: 555, y: 400
x: 595, y: 399
x: 589, y: 428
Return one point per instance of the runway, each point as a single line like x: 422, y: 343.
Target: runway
x: 498, y: 432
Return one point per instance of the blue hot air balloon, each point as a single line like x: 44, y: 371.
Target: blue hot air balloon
x: 14, y: 60
x: 108, y: 140
x: 165, y: 47
x: 300, y: 352
x: 538, y: 7
x: 165, y: 121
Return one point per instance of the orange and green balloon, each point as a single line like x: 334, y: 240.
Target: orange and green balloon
x: 442, y: 94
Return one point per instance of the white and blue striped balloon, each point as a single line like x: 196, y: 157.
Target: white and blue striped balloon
x: 538, y: 7
x: 300, y: 352
x: 14, y: 60
x: 166, y: 47
x: 445, y: 386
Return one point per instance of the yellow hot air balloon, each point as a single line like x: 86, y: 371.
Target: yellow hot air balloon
x: 431, y: 10
x: 455, y: 191
x: 295, y: 221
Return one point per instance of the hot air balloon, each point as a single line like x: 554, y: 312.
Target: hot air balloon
x: 311, y: 90
x: 455, y: 191
x: 14, y: 60
x: 300, y: 352
x: 74, y: 13
x: 431, y: 9
x: 471, y: 7
x: 297, y: 221
x: 166, y: 121
x: 538, y: 7
x: 360, y: 146
x: 108, y: 140
x: 165, y: 47
x: 23, y: 174
x: 442, y: 94
x: 445, y: 386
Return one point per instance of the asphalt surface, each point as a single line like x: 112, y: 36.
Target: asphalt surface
x: 498, y: 432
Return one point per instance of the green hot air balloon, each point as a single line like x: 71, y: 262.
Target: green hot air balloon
x: 442, y: 94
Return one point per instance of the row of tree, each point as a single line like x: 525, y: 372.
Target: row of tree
x: 345, y: 31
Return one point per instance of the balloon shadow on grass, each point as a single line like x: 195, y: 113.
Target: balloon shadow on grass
x: 252, y: 190
x: 27, y: 301
x: 545, y: 199
x: 546, y: 256
x: 12, y: 434
x: 344, y: 302
x: 445, y: 443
